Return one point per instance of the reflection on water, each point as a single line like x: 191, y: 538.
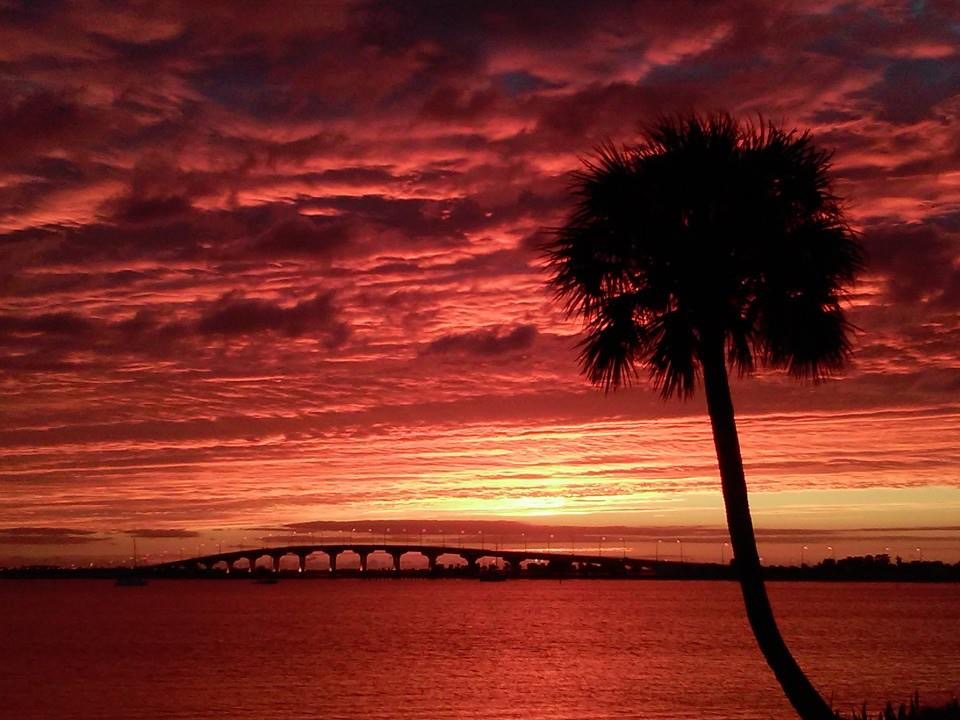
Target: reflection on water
x: 457, y: 649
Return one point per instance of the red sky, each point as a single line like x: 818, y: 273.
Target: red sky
x: 266, y: 265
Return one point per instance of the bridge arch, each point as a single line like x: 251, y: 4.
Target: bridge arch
x: 310, y: 559
x: 220, y: 564
x: 353, y: 559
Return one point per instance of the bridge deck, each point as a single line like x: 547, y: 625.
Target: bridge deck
x: 364, y: 549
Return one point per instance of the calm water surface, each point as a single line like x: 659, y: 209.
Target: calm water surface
x: 457, y: 649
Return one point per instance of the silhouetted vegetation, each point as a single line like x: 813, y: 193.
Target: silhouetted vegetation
x: 912, y: 711
x: 712, y: 245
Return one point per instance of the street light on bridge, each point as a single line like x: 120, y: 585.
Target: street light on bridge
x: 600, y: 545
x: 680, y: 545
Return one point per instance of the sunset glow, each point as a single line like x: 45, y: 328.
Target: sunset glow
x: 267, y: 269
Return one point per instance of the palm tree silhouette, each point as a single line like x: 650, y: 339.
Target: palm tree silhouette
x: 712, y: 244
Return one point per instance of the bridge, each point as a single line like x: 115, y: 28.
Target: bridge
x: 472, y: 556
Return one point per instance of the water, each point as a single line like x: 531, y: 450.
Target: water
x: 447, y: 649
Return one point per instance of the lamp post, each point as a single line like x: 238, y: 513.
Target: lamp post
x: 658, y: 549
x: 461, y: 540
x: 623, y: 545
x: 422, y: 531
x: 723, y: 553
x: 548, y: 541
x: 482, y: 545
x: 802, y: 549
x: 600, y: 545
x: 680, y: 545
x: 832, y: 555
x: 524, y: 536
x: 920, y: 554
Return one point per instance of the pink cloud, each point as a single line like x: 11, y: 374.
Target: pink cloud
x: 237, y: 245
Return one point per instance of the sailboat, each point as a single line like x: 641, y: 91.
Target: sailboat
x: 130, y: 577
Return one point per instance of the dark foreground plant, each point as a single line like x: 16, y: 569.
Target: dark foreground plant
x: 913, y: 711
x: 711, y: 245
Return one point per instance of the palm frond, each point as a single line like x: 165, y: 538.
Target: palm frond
x: 614, y: 344
x: 709, y: 227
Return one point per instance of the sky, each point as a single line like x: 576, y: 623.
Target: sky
x: 269, y: 265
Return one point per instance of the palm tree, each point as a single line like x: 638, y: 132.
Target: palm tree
x: 713, y: 244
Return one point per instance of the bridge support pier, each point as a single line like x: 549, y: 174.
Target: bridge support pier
x: 432, y: 562
x: 332, y: 556
x: 301, y: 563
x: 396, y: 561
x: 363, y: 561
x: 252, y: 564
x: 276, y: 563
x: 472, y: 564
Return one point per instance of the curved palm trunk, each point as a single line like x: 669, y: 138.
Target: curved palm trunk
x: 798, y: 689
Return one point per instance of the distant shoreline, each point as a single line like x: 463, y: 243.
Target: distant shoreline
x: 847, y: 570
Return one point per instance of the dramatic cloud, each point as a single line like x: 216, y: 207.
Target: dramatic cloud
x: 262, y: 265
x: 486, y: 342
x: 234, y: 315
x: 161, y: 533
x: 46, y: 536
